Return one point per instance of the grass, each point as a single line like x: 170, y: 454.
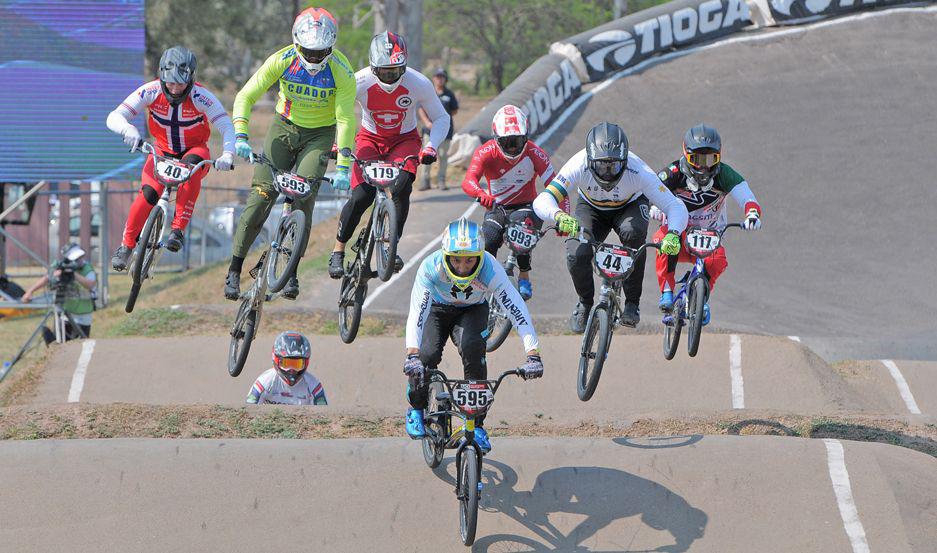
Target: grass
x: 153, y: 321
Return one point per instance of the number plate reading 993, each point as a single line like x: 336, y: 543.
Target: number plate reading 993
x: 472, y: 397
x: 613, y: 262
x: 172, y: 171
x: 521, y: 237
x: 292, y: 185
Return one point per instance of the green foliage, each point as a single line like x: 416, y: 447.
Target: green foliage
x: 154, y: 321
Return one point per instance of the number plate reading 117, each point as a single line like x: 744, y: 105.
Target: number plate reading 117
x: 702, y: 240
x: 521, y: 237
x: 292, y: 185
x: 472, y: 397
x: 381, y: 172
x: 613, y: 262
x: 173, y: 171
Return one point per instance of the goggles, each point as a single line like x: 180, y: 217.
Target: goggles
x: 292, y: 363
x: 703, y: 160
x: 389, y: 75
x: 314, y: 56
x: 512, y: 145
x: 608, y: 169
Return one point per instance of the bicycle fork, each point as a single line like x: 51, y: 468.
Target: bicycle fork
x: 468, y: 443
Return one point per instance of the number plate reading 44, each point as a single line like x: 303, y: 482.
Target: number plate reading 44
x: 522, y: 238
x: 702, y: 242
x: 292, y: 185
x: 172, y: 171
x: 472, y: 397
x: 613, y: 262
x: 381, y: 173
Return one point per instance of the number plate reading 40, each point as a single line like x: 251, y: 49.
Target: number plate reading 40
x: 173, y: 171
x: 702, y: 241
x: 472, y: 397
x: 381, y: 172
x: 613, y: 262
x: 521, y: 237
x: 292, y: 185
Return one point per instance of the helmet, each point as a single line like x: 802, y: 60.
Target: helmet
x: 388, y: 59
x: 462, y: 238
x: 607, y: 153
x: 510, y: 129
x: 702, y: 152
x: 177, y: 65
x: 314, y: 34
x: 291, y: 352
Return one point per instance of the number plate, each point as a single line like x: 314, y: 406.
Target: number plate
x: 472, y: 397
x: 521, y: 238
x: 702, y: 242
x: 613, y: 262
x: 381, y: 173
x: 171, y: 170
x: 293, y: 185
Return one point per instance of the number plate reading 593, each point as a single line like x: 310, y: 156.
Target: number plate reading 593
x: 292, y: 185
x: 472, y: 397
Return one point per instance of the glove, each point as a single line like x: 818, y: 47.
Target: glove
x: 341, y: 181
x: 225, y: 162
x: 243, y: 149
x: 670, y: 245
x: 566, y: 224
x: 533, y: 368
x: 486, y: 199
x: 752, y: 220
x: 428, y: 155
x: 658, y: 215
x: 131, y: 137
x: 413, y: 367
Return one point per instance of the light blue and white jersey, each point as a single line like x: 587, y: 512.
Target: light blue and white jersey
x: 432, y: 286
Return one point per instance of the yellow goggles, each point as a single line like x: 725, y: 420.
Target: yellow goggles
x: 292, y: 363
x: 699, y: 160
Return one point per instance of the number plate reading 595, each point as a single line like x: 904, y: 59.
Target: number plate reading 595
x: 472, y: 397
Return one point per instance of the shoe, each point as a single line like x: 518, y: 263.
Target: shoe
x: 481, y: 438
x: 232, y: 286
x: 291, y: 290
x: 525, y: 288
x: 175, y: 241
x: 666, y: 301
x: 706, y: 315
x: 577, y: 321
x: 337, y: 265
x: 398, y: 264
x: 631, y: 314
x: 121, y: 258
x: 415, y: 428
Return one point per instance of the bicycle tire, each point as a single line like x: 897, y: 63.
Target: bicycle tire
x: 132, y: 298
x: 143, y: 253
x: 468, y: 496
x: 597, y: 328
x: 349, y: 315
x: 433, y: 449
x: 290, y: 234
x: 672, y: 332
x: 386, y: 239
x: 242, y: 335
x: 698, y: 293
x: 499, y: 325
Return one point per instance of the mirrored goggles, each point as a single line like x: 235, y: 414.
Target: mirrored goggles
x: 292, y: 363
x: 608, y: 169
x: 314, y: 56
x: 703, y: 160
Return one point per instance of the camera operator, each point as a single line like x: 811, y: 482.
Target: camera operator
x: 73, y: 284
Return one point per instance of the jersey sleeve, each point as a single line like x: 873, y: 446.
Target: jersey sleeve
x: 430, y: 103
x: 318, y: 396
x: 265, y: 77
x: 513, y: 304
x: 421, y: 299
x: 670, y: 176
x: 258, y: 392
x: 208, y: 103
x: 547, y: 203
x: 471, y: 184
x: 132, y: 106
x: 542, y: 165
x: 346, y: 90
x: 658, y: 194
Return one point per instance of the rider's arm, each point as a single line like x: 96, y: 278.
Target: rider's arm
x: 345, y: 92
x: 259, y: 82
x: 119, y: 119
x: 513, y: 304
x: 258, y: 391
x: 542, y: 165
x: 476, y: 171
x: 421, y: 300
x: 429, y: 101
x: 547, y: 203
x: 208, y: 103
x: 658, y: 194
x: 737, y: 187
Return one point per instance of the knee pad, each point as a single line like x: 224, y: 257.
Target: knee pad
x: 150, y: 194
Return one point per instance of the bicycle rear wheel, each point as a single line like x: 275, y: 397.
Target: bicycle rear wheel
x: 434, y: 445
x: 698, y: 291
x: 468, y: 495
x: 351, y: 301
x: 144, y: 253
x: 672, y: 332
x: 285, y: 257
x: 594, y: 350
x: 499, y: 325
x: 242, y: 334
x: 385, y: 233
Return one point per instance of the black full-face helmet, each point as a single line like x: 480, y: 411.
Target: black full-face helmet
x: 607, y: 153
x: 702, y: 155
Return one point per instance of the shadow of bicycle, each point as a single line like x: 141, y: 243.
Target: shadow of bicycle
x: 601, y: 495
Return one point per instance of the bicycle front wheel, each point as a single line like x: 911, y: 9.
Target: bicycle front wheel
x: 285, y: 257
x: 698, y: 292
x: 242, y: 335
x: 672, y: 332
x: 385, y: 235
x: 349, y: 308
x: 593, y: 353
x: 437, y: 428
x: 144, y: 253
x: 468, y: 496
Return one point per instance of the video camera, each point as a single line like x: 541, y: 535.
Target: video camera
x: 68, y: 264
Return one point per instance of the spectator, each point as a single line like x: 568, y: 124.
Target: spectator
x: 73, y: 283
x: 449, y: 101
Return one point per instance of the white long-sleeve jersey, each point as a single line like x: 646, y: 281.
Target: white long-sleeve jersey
x: 271, y: 388
x: 394, y: 113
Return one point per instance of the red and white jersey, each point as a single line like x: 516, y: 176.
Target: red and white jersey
x: 394, y: 113
x: 178, y: 128
x: 510, y: 181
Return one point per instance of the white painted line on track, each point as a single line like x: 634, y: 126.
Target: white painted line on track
x: 902, y: 385
x: 81, y: 368
x: 416, y: 259
x: 735, y: 370
x: 794, y: 338
x: 836, y: 461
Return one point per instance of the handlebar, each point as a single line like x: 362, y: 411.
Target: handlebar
x: 148, y: 149
x: 262, y: 159
x: 583, y: 239
x: 362, y: 162
x: 494, y: 383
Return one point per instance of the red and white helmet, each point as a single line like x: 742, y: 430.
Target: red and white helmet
x: 388, y: 59
x: 510, y: 129
x: 314, y: 34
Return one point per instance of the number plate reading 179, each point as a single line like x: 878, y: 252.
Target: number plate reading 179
x: 702, y: 241
x: 521, y: 237
x: 381, y: 172
x: 172, y: 171
x: 472, y: 397
x: 613, y: 262
x: 292, y: 185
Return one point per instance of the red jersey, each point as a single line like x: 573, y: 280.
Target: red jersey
x: 510, y: 181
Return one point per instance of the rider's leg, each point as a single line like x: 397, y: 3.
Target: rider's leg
x: 406, y: 145
x: 631, y: 226
x: 362, y: 194
x: 311, y: 163
x: 187, y: 194
x: 716, y: 264
x: 142, y: 204
x: 595, y: 225
x: 493, y: 229
x: 402, y: 200
x: 436, y: 332
x: 472, y: 322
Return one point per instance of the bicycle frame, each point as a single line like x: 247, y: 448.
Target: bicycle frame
x: 610, y: 291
